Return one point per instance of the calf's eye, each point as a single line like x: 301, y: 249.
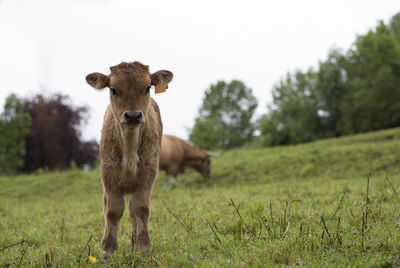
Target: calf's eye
x: 147, y: 90
x: 113, y: 91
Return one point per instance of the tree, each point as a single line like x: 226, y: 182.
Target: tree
x: 394, y: 26
x: 207, y: 133
x: 330, y: 90
x: 14, y: 126
x: 373, y: 82
x: 293, y: 117
x: 225, y: 116
x: 54, y: 140
x: 350, y: 92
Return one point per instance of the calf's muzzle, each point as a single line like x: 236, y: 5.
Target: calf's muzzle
x: 133, y: 117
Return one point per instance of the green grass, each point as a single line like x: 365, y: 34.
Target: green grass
x: 284, y: 196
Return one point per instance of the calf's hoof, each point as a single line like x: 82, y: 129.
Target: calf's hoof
x: 143, y: 242
x: 105, y: 254
x: 108, y: 247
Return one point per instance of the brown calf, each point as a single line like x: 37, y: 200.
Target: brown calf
x: 177, y: 154
x: 129, y: 148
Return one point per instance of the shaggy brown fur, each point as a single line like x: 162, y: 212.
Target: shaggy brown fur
x: 129, y: 149
x: 177, y: 154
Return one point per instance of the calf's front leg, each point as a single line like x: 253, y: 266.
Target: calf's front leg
x: 139, y: 210
x: 113, y: 210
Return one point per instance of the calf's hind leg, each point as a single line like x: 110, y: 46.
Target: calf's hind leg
x: 113, y: 210
x: 173, y: 171
x: 166, y: 182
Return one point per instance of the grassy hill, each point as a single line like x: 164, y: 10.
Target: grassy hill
x: 297, y: 205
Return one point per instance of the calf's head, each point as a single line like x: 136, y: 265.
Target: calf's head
x: 202, y: 164
x: 130, y: 85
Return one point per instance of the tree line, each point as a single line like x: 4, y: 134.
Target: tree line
x: 41, y: 133
x: 352, y: 91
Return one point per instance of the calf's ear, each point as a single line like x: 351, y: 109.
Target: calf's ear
x: 160, y: 80
x: 98, y: 80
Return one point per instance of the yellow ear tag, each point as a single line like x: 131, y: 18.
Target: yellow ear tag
x: 161, y: 88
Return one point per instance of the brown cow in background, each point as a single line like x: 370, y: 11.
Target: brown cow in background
x: 177, y: 154
x: 129, y: 148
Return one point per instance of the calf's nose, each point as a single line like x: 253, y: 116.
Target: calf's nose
x: 133, y: 117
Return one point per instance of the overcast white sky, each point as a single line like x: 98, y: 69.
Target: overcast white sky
x: 53, y: 45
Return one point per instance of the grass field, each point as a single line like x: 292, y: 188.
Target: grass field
x: 304, y: 205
